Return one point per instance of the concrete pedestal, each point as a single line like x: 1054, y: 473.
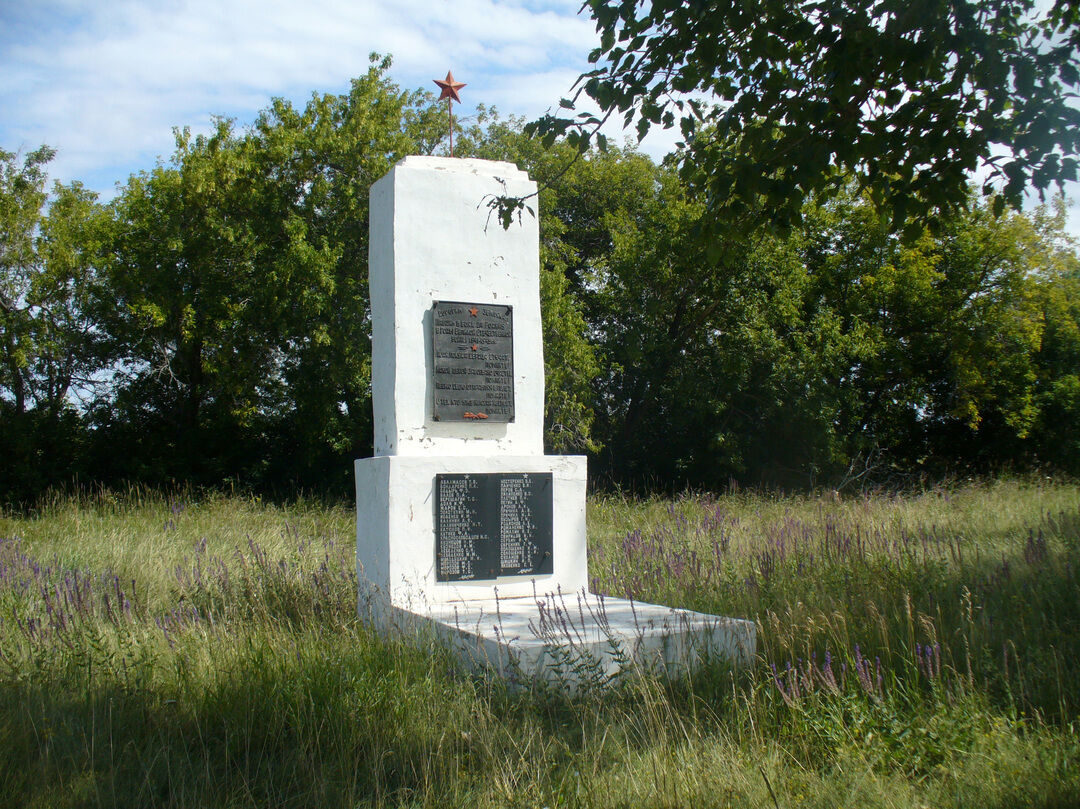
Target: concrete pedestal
x: 395, y: 528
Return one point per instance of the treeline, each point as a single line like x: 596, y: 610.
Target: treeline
x: 210, y: 325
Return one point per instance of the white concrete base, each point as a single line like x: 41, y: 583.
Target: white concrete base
x: 579, y: 639
x: 395, y: 528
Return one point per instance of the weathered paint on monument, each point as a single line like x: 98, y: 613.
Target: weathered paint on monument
x: 431, y: 240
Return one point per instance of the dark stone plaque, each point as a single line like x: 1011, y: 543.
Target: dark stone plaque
x: 474, y: 361
x: 491, y: 525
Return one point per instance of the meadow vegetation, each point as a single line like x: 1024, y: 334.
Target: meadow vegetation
x: 916, y: 650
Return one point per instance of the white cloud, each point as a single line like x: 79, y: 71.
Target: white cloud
x: 105, y: 83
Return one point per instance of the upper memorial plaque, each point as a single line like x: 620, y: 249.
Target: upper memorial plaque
x: 474, y: 361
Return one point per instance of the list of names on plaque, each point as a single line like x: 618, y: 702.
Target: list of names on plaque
x: 491, y: 525
x: 517, y: 551
x: 467, y: 548
x: 473, y: 361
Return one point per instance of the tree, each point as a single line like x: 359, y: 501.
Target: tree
x: 935, y: 342
x: 237, y: 300
x: 316, y: 167
x: 1056, y: 398
x: 839, y: 353
x: 193, y: 311
x: 22, y: 200
x: 783, y: 101
x: 51, y: 249
x: 1055, y: 433
x: 70, y: 354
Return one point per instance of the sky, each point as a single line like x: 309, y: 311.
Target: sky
x: 104, y: 82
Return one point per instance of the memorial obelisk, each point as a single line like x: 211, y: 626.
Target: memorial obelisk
x: 465, y: 528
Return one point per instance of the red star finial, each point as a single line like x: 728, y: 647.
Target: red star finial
x: 450, y: 87
x: 449, y: 92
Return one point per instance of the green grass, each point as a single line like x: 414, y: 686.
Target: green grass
x: 205, y: 652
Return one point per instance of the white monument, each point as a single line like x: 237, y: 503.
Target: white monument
x: 464, y: 526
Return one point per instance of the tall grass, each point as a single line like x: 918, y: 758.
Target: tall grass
x: 914, y: 651
x: 941, y: 589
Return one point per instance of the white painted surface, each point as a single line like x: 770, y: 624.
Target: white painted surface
x: 395, y: 528
x: 434, y: 238
x: 579, y: 638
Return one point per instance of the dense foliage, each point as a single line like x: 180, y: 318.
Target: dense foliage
x: 779, y: 102
x: 211, y: 323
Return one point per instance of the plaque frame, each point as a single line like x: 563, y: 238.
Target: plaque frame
x: 448, y: 370
x: 486, y: 540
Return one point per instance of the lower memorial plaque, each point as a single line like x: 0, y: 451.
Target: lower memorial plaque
x: 491, y: 525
